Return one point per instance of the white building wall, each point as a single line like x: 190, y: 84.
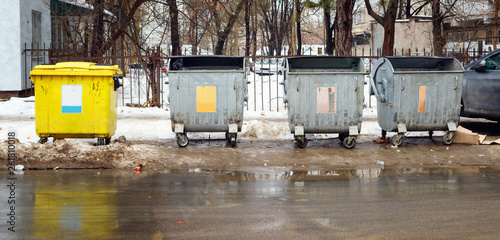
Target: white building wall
x: 10, y: 79
x: 16, y: 30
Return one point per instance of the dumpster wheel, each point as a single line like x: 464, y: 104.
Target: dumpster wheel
x: 397, y: 140
x: 301, y: 142
x: 448, y: 138
x: 43, y: 140
x: 101, y: 141
x: 232, y: 138
x: 349, y: 142
x: 182, y: 140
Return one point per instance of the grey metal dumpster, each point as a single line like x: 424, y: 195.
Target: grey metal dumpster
x: 417, y: 94
x: 207, y: 94
x: 325, y: 95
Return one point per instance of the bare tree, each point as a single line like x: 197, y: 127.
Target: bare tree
x: 327, y: 6
x: 174, y: 27
x: 388, y: 21
x: 441, y: 9
x: 100, y: 47
x: 276, y: 15
x: 98, y: 28
x: 437, y: 25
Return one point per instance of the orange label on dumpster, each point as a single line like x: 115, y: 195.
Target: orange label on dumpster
x: 421, y: 99
x: 205, y: 99
x: 326, y: 100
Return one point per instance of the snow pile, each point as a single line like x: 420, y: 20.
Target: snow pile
x: 71, y: 154
x: 266, y: 130
x: 18, y: 106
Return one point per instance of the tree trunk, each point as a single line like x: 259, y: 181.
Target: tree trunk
x: 193, y: 25
x: 328, y: 35
x: 438, y: 41
x: 98, y: 28
x: 495, y: 29
x: 247, y: 28
x: 293, y: 37
x: 298, y: 19
x: 408, y: 9
x: 222, y: 35
x: 388, y: 44
x: 254, y: 31
x: 343, y: 28
x: 174, y: 27
x: 283, y: 27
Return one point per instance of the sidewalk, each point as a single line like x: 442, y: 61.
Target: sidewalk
x: 265, y: 141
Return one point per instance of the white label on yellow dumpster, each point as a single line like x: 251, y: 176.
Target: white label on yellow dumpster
x: 71, y: 99
x: 326, y: 100
x: 205, y: 99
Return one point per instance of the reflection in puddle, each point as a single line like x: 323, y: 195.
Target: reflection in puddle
x: 121, y: 204
x: 85, y: 210
x: 299, y: 174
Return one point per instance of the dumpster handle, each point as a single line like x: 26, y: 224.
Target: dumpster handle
x: 372, y: 82
x: 402, y: 83
x: 297, y: 84
x: 374, y: 87
x: 116, y: 81
x: 380, y: 97
x: 456, y: 82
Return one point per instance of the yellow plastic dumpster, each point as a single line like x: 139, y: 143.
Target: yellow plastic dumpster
x: 76, y: 100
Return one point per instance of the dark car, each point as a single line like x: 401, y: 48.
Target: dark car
x: 481, y: 87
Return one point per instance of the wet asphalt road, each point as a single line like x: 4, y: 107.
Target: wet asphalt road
x: 255, y: 203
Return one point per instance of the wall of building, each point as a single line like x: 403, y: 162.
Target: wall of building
x: 16, y: 30
x: 412, y: 37
x: 9, y: 45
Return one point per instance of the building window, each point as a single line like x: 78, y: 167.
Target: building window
x: 36, y: 27
x: 36, y: 33
x: 359, y: 17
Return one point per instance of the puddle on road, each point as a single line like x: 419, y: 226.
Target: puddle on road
x: 106, y: 204
x: 309, y: 175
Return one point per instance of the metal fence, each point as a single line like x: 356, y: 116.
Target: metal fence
x: 144, y: 75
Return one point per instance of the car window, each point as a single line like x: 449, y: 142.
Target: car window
x: 493, y: 62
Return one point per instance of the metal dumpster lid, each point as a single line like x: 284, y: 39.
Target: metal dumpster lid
x: 76, y: 68
x: 206, y: 62
x: 326, y: 62
x: 420, y: 63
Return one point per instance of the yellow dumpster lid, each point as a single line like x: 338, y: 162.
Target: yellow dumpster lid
x: 76, y: 68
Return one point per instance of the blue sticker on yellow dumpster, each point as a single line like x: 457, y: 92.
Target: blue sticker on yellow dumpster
x: 71, y: 99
